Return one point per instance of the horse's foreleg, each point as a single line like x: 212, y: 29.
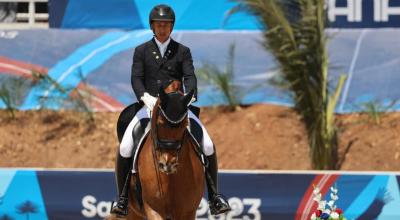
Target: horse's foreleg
x: 151, y: 213
x: 134, y: 216
x: 131, y: 216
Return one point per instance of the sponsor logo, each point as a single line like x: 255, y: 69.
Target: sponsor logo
x: 93, y: 208
x: 8, y: 34
x: 353, y: 10
x: 246, y: 208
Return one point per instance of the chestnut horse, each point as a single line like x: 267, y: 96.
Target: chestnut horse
x: 169, y: 168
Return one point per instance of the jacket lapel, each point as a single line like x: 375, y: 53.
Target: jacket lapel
x: 155, y: 52
x: 171, y: 49
x: 169, y: 53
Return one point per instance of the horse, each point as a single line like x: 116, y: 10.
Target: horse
x: 169, y: 165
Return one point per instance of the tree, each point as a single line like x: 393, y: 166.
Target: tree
x: 294, y: 32
x: 12, y: 93
x: 27, y: 208
x: 223, y: 80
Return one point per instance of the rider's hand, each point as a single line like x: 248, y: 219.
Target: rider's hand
x: 149, y: 101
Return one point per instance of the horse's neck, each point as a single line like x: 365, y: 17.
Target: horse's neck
x: 154, y: 117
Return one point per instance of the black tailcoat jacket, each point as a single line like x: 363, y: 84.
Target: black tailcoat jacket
x: 150, y: 70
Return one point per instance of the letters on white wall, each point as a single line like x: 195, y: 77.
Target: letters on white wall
x: 382, y: 10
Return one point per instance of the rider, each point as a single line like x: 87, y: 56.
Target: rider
x: 156, y: 62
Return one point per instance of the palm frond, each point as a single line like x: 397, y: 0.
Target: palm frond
x: 223, y: 80
x: 298, y: 43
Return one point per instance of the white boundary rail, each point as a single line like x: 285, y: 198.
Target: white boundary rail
x: 27, y: 20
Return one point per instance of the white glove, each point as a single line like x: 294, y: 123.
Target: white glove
x: 149, y: 101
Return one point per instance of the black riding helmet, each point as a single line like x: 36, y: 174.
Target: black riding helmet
x: 162, y: 13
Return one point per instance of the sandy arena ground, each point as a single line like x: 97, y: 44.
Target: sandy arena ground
x: 255, y: 137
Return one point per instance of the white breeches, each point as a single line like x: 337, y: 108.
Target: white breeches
x: 126, y: 146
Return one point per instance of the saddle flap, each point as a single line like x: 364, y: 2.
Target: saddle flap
x: 196, y: 132
x: 140, y: 132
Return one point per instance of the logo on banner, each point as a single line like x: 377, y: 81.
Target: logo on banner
x: 93, y: 208
x: 246, y: 208
x: 380, y: 10
x: 8, y: 34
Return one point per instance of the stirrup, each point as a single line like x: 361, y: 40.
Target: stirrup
x: 219, y: 205
x: 120, y: 208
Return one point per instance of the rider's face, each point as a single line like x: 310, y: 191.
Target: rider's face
x: 162, y: 30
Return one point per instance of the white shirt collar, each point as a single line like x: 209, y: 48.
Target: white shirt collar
x: 162, y: 46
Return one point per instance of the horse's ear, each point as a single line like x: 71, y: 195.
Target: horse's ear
x: 162, y: 94
x: 188, y: 97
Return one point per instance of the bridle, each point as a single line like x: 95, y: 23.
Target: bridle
x: 165, y: 143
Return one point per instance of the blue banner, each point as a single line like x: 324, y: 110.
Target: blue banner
x: 56, y: 12
x: 190, y: 14
x: 83, y: 195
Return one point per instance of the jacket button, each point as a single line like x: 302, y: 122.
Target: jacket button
x: 169, y: 68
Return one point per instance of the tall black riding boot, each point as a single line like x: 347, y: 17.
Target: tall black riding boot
x: 122, y: 176
x: 217, y: 202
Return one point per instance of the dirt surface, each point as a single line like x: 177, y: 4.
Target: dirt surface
x: 255, y: 137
